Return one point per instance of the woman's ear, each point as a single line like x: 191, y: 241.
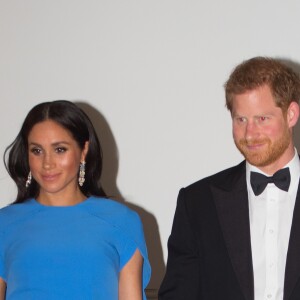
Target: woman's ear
x: 84, y: 151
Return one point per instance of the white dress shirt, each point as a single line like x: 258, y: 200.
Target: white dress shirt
x: 271, y: 215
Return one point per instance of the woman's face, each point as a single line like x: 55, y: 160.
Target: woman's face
x: 54, y: 159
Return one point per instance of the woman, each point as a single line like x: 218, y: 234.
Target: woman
x: 62, y: 238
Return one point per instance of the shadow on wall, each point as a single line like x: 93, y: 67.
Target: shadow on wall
x: 109, y: 179
x: 296, y: 133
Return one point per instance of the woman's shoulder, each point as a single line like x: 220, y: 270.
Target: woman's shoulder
x: 107, y: 206
x: 15, y: 212
x: 112, y: 211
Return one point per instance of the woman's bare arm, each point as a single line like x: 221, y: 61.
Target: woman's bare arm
x: 2, y: 289
x: 130, y: 281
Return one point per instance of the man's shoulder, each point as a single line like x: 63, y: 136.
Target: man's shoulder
x: 224, y: 178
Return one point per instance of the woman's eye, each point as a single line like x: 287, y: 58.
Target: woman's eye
x: 60, y: 149
x: 36, y: 151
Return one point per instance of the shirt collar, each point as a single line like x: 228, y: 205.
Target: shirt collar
x: 293, y: 165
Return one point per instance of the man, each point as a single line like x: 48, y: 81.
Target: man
x: 236, y: 234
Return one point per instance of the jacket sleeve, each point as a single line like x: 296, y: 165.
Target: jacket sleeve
x: 181, y: 280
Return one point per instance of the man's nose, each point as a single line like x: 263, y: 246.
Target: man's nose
x: 251, y: 130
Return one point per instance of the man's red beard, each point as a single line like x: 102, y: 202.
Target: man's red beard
x: 269, y: 152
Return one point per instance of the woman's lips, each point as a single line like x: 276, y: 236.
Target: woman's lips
x: 50, y: 177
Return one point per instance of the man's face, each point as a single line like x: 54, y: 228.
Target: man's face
x: 261, y: 131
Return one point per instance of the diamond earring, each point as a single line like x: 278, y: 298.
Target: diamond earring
x: 28, y: 181
x: 81, y: 178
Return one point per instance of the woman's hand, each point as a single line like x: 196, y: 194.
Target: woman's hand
x: 130, y: 281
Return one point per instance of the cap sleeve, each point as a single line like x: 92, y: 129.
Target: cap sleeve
x: 129, y: 234
x: 134, y: 231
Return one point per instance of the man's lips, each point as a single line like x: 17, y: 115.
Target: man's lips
x: 254, y: 146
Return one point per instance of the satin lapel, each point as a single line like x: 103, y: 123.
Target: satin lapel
x: 232, y: 205
x: 292, y: 269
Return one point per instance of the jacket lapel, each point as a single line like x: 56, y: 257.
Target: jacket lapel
x: 231, y: 200
x: 292, y: 270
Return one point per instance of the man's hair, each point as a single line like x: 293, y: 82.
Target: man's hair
x: 256, y: 72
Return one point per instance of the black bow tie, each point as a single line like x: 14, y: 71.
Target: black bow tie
x: 281, y: 179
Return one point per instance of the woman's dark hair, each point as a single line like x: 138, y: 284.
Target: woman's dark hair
x: 73, y: 119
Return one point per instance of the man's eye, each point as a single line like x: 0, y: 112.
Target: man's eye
x: 262, y: 119
x: 60, y: 149
x: 241, y: 120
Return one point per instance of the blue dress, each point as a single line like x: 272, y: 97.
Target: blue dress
x: 71, y: 252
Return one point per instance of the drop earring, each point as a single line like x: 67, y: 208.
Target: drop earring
x: 28, y: 181
x: 81, y: 178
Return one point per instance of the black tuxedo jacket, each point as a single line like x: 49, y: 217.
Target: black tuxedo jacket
x: 209, y: 246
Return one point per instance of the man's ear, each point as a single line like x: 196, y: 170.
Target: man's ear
x: 85, y: 151
x: 292, y: 114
